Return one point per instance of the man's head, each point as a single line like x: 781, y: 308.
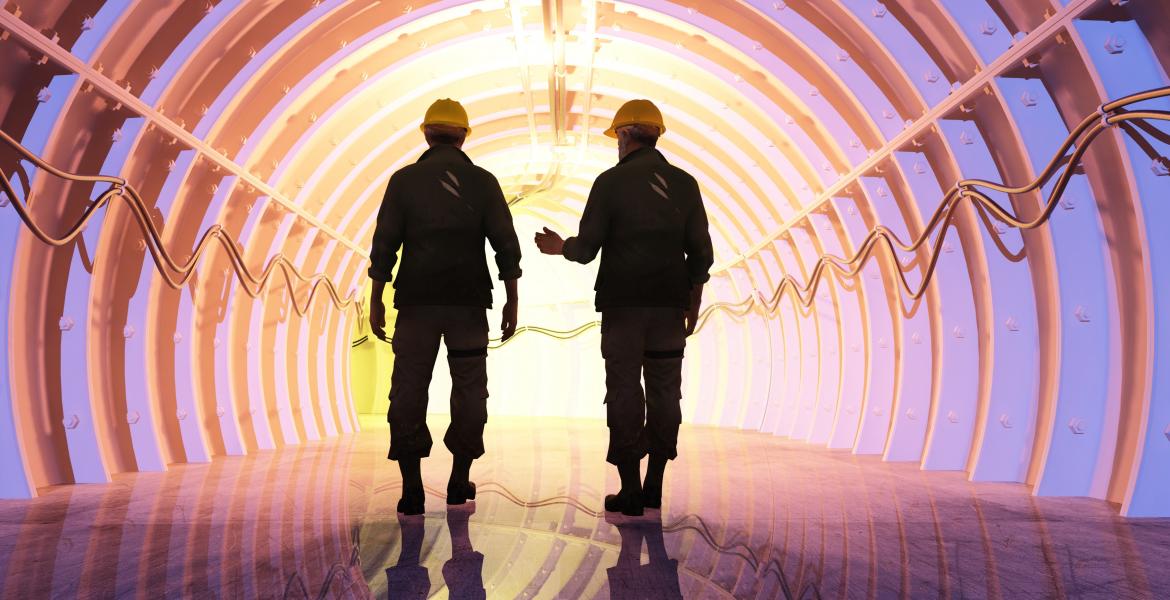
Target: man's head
x: 637, y: 124
x: 633, y: 137
x: 444, y: 134
x: 446, y: 123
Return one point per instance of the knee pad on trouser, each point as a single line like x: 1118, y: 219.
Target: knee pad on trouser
x: 625, y: 414
x: 409, y: 436
x: 625, y: 408
x: 415, y: 344
x: 663, y: 372
x: 469, y: 395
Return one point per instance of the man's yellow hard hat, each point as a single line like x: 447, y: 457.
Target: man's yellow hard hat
x: 637, y: 112
x: 446, y: 112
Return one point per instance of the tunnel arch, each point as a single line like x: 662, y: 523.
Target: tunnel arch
x: 1035, y: 356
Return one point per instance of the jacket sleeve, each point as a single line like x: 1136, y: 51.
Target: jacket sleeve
x: 387, y: 234
x: 501, y: 233
x: 593, y: 229
x: 700, y: 255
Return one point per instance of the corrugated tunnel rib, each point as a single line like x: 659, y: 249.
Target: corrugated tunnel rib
x: 936, y: 223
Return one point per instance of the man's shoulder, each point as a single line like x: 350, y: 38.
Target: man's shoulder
x: 610, y: 173
x: 681, y: 174
x: 668, y: 169
x: 460, y: 169
x: 479, y: 171
x: 464, y: 169
x: 406, y: 171
x: 660, y: 168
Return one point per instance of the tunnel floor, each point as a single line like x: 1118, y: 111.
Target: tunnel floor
x: 745, y: 515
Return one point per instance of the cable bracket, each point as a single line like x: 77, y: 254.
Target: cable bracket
x: 1105, y: 115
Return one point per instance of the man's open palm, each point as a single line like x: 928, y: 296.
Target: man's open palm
x: 549, y: 241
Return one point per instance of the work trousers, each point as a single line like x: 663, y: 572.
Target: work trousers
x: 417, y: 331
x: 639, y: 342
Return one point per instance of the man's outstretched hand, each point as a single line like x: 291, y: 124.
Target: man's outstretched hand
x: 549, y: 242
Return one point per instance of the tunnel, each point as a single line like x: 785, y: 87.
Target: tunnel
x: 932, y: 357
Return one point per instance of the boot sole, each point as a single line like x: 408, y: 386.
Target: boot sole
x: 627, y: 511
x: 409, y: 510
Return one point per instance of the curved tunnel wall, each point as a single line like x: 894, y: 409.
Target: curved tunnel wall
x: 1035, y: 356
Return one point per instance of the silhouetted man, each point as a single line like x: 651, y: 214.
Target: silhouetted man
x: 647, y: 219
x: 439, y: 211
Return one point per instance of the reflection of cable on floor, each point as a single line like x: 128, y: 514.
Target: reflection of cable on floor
x: 751, y: 559
x: 514, y: 499
x: 337, y: 568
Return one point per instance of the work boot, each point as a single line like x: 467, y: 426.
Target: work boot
x: 628, y: 501
x: 652, y: 488
x: 459, y: 488
x: 413, y: 501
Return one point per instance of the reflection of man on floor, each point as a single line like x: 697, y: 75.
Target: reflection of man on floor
x: 408, y: 579
x: 439, y: 211
x: 629, y: 579
x: 646, y: 218
x: 463, y: 573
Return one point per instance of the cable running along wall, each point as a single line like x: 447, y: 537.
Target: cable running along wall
x: 175, y: 273
x: 1061, y: 168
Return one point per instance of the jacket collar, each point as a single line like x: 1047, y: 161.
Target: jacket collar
x: 645, y: 151
x: 444, y: 151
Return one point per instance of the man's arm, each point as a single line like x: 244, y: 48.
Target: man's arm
x: 593, y: 229
x: 511, y: 310
x: 377, y: 309
x: 697, y: 242
x: 383, y: 255
x: 501, y: 234
x: 700, y: 257
x: 691, y: 320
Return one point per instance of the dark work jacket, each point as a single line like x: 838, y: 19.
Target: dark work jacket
x: 647, y: 218
x: 439, y: 211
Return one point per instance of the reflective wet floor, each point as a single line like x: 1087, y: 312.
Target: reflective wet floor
x: 745, y: 515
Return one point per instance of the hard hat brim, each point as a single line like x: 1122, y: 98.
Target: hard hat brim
x: 423, y: 127
x: 612, y: 131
